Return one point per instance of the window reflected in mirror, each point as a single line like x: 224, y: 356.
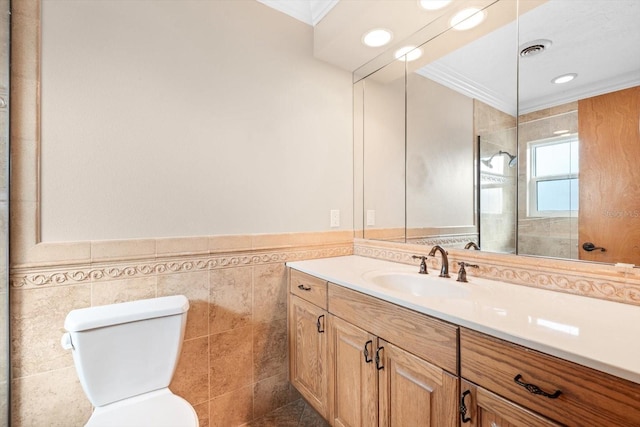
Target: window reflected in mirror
x: 544, y: 228
x: 553, y: 177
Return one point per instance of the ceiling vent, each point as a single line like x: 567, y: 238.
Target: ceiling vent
x: 535, y: 47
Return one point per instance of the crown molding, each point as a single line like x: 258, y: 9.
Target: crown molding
x: 452, y: 79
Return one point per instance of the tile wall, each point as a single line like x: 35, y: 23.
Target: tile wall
x: 619, y: 283
x: 557, y: 236
x: 497, y: 132
x: 233, y: 366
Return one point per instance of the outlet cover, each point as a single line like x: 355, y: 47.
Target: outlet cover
x: 371, y: 217
x: 335, y: 218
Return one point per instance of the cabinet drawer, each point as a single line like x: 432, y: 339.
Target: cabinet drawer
x: 481, y: 408
x: 588, y: 397
x: 308, y: 288
x: 430, y: 339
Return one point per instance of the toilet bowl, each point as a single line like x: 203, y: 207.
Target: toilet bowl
x: 159, y: 408
x: 125, y: 356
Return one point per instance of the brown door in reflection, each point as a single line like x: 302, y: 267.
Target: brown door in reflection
x: 609, y: 212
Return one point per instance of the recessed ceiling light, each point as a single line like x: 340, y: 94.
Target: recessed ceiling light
x: 564, y: 78
x: 408, y: 53
x: 467, y: 19
x: 433, y: 4
x: 378, y: 37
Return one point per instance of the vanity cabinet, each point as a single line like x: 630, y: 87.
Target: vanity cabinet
x: 363, y: 361
x: 308, y: 351
x: 391, y: 366
x: 375, y: 383
x: 354, y: 387
x: 564, y: 392
x: 374, y: 363
x: 414, y: 392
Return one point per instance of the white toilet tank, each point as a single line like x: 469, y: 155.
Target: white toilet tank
x: 123, y: 350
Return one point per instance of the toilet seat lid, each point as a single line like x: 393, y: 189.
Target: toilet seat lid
x: 159, y: 408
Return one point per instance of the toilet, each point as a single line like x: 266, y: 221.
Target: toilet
x: 125, y: 356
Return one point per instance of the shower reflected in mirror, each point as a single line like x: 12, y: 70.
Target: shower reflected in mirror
x: 513, y: 160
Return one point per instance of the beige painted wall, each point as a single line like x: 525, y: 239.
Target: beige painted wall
x: 440, y: 143
x: 270, y: 122
x: 187, y: 118
x: 383, y: 153
x: 418, y: 145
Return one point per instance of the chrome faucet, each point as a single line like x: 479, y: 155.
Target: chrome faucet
x: 444, y: 269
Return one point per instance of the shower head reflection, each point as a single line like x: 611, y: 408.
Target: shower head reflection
x: 513, y: 160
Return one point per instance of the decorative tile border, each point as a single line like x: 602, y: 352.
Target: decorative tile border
x: 457, y: 240
x: 26, y: 278
x: 586, y: 279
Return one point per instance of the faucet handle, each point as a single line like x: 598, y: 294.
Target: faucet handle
x: 423, y: 263
x: 462, y: 273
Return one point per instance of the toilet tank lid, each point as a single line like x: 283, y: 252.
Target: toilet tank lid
x: 113, y: 314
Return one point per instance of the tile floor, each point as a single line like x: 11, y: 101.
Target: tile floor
x: 295, y: 414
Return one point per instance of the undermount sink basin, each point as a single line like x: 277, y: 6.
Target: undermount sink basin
x: 420, y: 285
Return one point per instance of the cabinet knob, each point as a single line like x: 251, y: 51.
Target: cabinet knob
x: 304, y: 288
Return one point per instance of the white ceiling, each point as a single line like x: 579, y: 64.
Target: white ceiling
x: 308, y: 11
x: 340, y: 25
x: 597, y: 39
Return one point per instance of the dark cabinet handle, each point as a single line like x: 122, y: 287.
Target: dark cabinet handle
x: 378, y: 361
x: 304, y: 288
x: 588, y: 246
x: 535, y: 389
x: 320, y: 325
x: 367, y: 355
x: 463, y: 407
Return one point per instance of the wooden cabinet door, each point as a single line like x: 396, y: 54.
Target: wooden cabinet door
x: 354, y: 380
x: 413, y: 392
x: 481, y: 408
x: 609, y: 211
x: 308, y: 356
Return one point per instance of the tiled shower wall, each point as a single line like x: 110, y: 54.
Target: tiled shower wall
x: 497, y: 132
x: 233, y: 366
x: 556, y: 236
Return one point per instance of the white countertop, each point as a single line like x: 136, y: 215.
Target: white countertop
x: 600, y: 334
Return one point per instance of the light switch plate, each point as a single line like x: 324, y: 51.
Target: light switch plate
x: 371, y: 217
x: 335, y: 218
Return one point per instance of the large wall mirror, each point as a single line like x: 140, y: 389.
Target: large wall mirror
x: 469, y: 139
x: 5, y: 367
